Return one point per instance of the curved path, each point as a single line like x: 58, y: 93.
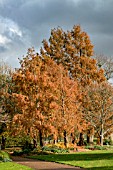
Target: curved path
x: 36, y: 164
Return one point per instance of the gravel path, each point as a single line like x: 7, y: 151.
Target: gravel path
x: 36, y: 165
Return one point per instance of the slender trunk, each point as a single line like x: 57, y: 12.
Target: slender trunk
x: 72, y: 138
x: 3, y: 142
x: 111, y: 137
x: 101, y: 135
x: 91, y: 138
x: 65, y: 138
x: 55, y: 141
x: 88, y: 136
x: 34, y: 143
x: 40, y: 138
x: 98, y: 138
x: 81, y: 140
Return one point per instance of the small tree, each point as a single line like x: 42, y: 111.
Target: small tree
x: 5, y: 85
x: 99, y: 109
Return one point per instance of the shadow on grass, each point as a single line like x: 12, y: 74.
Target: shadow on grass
x: 76, y: 157
x: 83, y: 157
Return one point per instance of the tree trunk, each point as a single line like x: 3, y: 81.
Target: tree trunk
x: 81, y: 140
x: 3, y: 142
x: 72, y: 138
x: 34, y: 143
x: 65, y: 138
x: 40, y: 138
x: 90, y: 137
x: 101, y: 135
x: 55, y: 141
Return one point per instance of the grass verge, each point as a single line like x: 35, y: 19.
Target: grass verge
x: 6, y: 164
x: 93, y: 160
x: 12, y: 166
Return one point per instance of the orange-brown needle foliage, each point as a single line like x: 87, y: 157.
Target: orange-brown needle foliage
x: 48, y: 99
x: 74, y: 50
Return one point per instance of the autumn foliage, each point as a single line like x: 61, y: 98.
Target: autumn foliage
x: 74, y: 50
x: 59, y: 92
x: 46, y: 97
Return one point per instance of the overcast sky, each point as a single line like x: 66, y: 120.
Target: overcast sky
x: 25, y: 23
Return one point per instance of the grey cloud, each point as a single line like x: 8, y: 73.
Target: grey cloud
x: 35, y: 19
x: 2, y: 49
x: 31, y: 14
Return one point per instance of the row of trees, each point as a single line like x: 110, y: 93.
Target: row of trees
x: 60, y: 92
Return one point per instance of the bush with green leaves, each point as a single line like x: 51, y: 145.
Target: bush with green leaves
x: 108, y: 142
x: 95, y: 147
x: 55, y: 149
x: 4, y: 157
x: 19, y: 153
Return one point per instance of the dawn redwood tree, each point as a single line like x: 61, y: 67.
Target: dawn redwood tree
x: 33, y: 93
x: 74, y: 50
x: 99, y: 109
x: 68, y: 115
x: 45, y: 97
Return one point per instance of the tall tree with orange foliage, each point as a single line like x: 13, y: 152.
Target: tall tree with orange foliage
x: 74, y: 50
x: 68, y: 115
x: 45, y: 96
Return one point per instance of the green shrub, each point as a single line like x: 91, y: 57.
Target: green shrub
x: 17, y: 153
x: 72, y: 149
x: 89, y: 147
x: 26, y: 151
x: 98, y: 147
x: 55, y: 149
x: 108, y: 142
x: 95, y: 147
x: 4, y: 157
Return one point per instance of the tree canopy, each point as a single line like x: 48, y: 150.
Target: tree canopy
x: 61, y: 90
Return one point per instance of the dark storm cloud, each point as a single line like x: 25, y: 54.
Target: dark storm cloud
x: 32, y: 14
x: 32, y: 21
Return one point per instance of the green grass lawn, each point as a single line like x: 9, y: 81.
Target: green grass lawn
x: 92, y: 160
x: 12, y: 166
x: 4, y: 156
